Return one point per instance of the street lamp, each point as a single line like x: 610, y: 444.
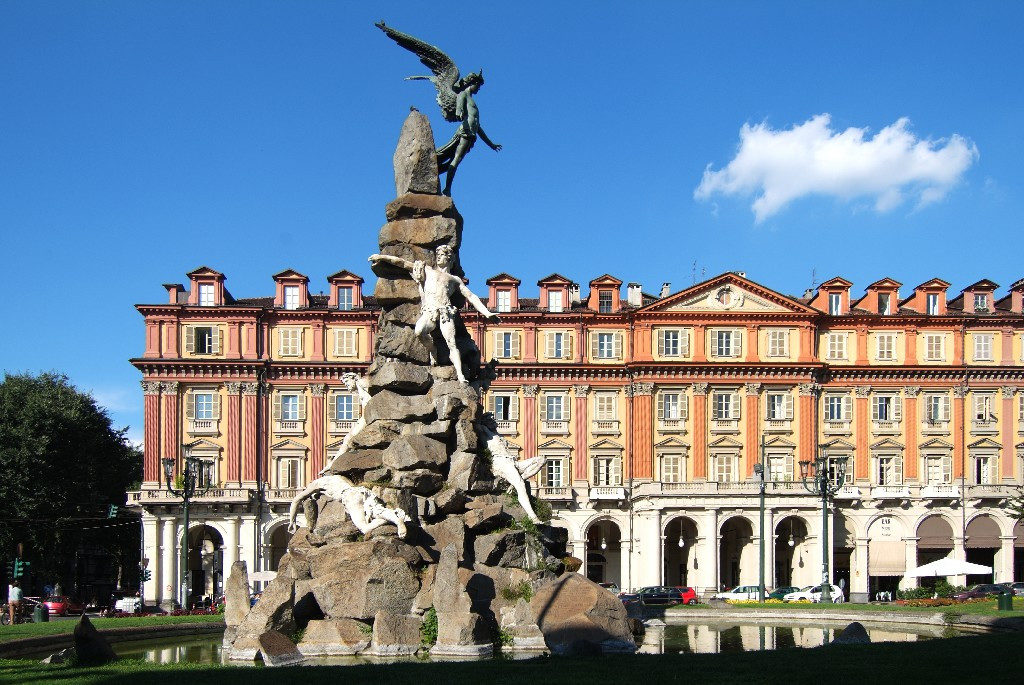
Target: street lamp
x: 189, y: 483
x: 818, y: 481
x: 759, y: 472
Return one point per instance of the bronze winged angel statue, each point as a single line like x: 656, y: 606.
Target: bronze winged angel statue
x: 454, y: 96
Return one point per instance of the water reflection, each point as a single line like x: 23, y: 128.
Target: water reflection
x: 713, y: 638
x: 205, y: 649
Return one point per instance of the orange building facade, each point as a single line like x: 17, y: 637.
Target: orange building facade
x: 651, y: 412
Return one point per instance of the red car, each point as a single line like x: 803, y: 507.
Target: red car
x: 61, y: 605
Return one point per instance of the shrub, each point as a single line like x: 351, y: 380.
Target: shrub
x: 428, y: 629
x: 521, y: 590
x: 572, y: 564
x: 542, y: 509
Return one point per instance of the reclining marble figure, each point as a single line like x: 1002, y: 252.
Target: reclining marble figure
x: 505, y: 465
x: 359, y: 385
x: 366, y: 510
x: 436, y: 286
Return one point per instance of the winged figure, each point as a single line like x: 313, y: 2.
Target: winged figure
x: 455, y: 98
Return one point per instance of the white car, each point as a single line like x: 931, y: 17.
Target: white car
x: 812, y: 593
x: 739, y: 592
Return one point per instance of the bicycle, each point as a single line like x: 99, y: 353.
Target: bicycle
x: 22, y: 615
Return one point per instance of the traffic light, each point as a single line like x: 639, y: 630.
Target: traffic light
x: 26, y: 568
x: 18, y: 568
x: 146, y: 574
x: 112, y: 511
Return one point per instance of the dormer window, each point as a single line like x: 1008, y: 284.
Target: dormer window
x: 206, y: 295
x: 504, y: 301
x: 835, y: 304
x: 884, y: 303
x: 291, y: 297
x: 980, y: 302
x: 345, y: 298
x: 932, y: 303
x: 604, y: 301
x: 555, y: 301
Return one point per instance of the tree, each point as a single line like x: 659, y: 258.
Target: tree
x: 62, y: 464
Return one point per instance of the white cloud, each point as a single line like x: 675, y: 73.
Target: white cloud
x: 813, y: 159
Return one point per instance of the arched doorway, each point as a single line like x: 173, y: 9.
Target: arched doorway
x: 934, y: 542
x: 279, y: 537
x: 792, y: 560
x: 982, y: 545
x: 205, y: 563
x: 680, y: 552
x: 604, y: 557
x: 737, y: 553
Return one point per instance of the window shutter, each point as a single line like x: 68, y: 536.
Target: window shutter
x: 737, y: 339
x: 277, y: 407
x: 515, y: 344
x: 944, y: 404
x: 190, y: 406
x: 496, y: 337
x: 993, y: 463
x: 593, y: 346
x: 299, y: 340
x: 490, y: 403
x: 979, y: 408
x: 874, y: 408
x: 355, y: 342
x: 789, y: 467
x: 302, y: 407
x: 684, y: 343
x: 734, y: 406
x: 544, y: 407
x: 847, y: 408
x: 567, y: 345
x: 897, y: 470
x: 357, y: 406
x: 566, y: 413
x: 661, y: 343
x: 549, y: 345
x: 617, y: 346
x: 337, y: 342
x: 216, y: 340
x: 661, y: 406
x: 190, y: 339
x: 897, y: 408
x: 947, y: 469
x: 684, y: 406
x: 215, y: 405
x: 788, y: 405
x: 281, y: 335
x: 332, y: 408
x: 513, y: 408
x: 616, y: 471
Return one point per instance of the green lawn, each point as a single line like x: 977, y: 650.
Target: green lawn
x: 21, y: 630
x: 987, y: 659
x: 987, y: 608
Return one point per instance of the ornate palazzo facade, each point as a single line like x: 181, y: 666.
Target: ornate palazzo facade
x: 651, y: 412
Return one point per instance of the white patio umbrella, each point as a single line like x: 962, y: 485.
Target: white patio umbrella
x: 948, y: 567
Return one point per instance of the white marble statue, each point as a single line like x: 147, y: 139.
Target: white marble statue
x: 505, y: 465
x: 359, y: 385
x: 436, y: 286
x: 366, y: 510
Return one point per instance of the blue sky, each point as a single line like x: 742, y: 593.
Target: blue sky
x: 139, y: 140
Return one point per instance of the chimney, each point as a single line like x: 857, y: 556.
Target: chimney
x: 808, y: 294
x: 633, y: 295
x: 174, y: 292
x: 666, y: 287
x: 574, y: 293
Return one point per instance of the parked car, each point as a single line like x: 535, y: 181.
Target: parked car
x: 610, y: 587
x: 980, y: 590
x: 813, y: 594
x: 664, y: 595
x: 62, y: 605
x: 781, y: 592
x: 739, y: 592
x: 1018, y: 588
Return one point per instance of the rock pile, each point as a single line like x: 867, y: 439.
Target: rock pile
x: 471, y: 552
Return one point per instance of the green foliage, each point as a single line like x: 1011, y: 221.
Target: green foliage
x: 572, y: 564
x: 428, y: 629
x: 366, y: 629
x: 505, y: 638
x: 941, y: 588
x: 63, y: 465
x: 1016, y: 505
x: 297, y: 635
x: 521, y: 590
x: 526, y: 525
x: 543, y: 509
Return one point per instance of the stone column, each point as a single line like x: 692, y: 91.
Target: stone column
x: 626, y: 577
x: 911, y: 423
x: 250, y: 399
x: 151, y: 550
x: 960, y: 554
x: 700, y: 431
x: 1004, y: 566
x: 859, y: 572
x: 910, y: 550
x: 151, y: 435
x: 752, y: 445
x: 317, y: 419
x: 579, y: 550
x: 642, y: 426
x: 234, y: 433
x: 168, y: 589
x: 708, y: 571
x: 861, y: 461
x: 649, y: 550
x: 959, y: 453
x: 231, y: 543
x: 172, y: 436
x: 580, y: 418
x: 1009, y: 423
x: 769, y: 547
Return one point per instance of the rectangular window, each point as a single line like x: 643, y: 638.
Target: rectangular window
x: 724, y: 467
x: 291, y: 297
x: 936, y: 408
x: 935, y: 347
x: 504, y: 301
x: 778, y: 343
x: 288, y: 476
x: 290, y: 407
x: 671, y: 468
x: 557, y: 345
x: 605, y: 406
x: 726, y: 343
x: 553, y: 473
x: 983, y: 470
x: 834, y: 463
x: 837, y: 345
x: 345, y: 299
x: 980, y: 302
x: 343, y: 408
x: 885, y: 347
x: 671, y: 406
x: 885, y: 408
x: 607, y: 471
x: 890, y: 470
x: 984, y: 409
x: 604, y: 345
x: 604, y: 301
x: 206, y: 477
x: 203, y: 406
x: 939, y: 470
x: 982, y: 347
x: 779, y: 406
x: 555, y: 301
x: 835, y: 304
x: 670, y: 344
x: 506, y: 344
x: 205, y: 294
x: 345, y: 342
x: 290, y: 342
x: 555, y: 406
x: 932, y: 303
x: 725, y: 406
x: 838, y: 408
x: 205, y: 340
x: 780, y: 467
x: 884, y: 303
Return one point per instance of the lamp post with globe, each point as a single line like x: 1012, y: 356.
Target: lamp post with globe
x: 824, y: 478
x: 189, y: 488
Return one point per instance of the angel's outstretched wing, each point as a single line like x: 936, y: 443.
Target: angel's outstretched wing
x: 444, y: 69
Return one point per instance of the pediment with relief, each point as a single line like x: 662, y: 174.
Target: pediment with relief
x: 729, y: 293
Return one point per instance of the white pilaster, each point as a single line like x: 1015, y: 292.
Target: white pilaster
x: 1004, y: 560
x: 231, y: 544
x: 911, y: 562
x: 168, y: 588
x: 151, y: 551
